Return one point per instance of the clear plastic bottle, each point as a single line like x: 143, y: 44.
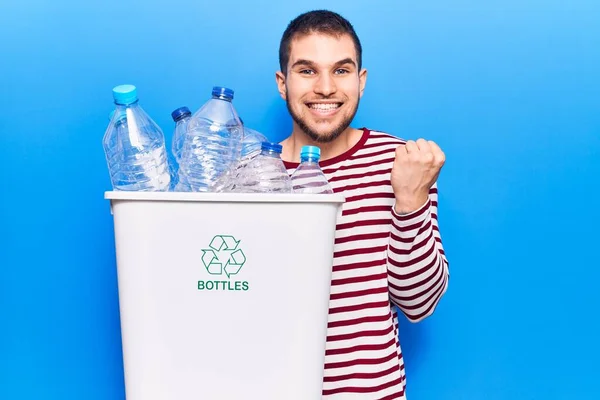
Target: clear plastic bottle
x: 212, y: 144
x: 181, y: 116
x: 251, y: 147
x: 308, y: 177
x: 265, y: 173
x: 134, y: 146
x: 251, y: 144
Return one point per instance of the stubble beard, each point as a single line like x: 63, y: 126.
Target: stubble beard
x: 316, y: 136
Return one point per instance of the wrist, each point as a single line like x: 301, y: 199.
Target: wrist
x: 409, y: 204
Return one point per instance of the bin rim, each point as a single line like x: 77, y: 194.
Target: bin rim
x: 225, y: 197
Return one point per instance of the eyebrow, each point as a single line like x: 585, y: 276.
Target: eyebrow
x: 309, y: 63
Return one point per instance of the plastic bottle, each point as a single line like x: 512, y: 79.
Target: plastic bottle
x: 251, y: 144
x: 265, y: 173
x: 181, y: 116
x: 251, y: 147
x: 308, y: 176
x: 134, y: 146
x: 212, y: 144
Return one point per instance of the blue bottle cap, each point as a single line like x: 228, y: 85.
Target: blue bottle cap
x: 180, y: 113
x: 125, y: 94
x: 220, y: 91
x: 276, y: 147
x: 310, y: 151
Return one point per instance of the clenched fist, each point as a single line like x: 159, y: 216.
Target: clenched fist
x: 416, y: 169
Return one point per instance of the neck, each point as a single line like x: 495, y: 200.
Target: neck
x: 341, y: 144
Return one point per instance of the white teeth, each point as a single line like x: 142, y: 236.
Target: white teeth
x: 324, y: 107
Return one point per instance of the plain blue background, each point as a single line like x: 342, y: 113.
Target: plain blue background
x: 510, y: 90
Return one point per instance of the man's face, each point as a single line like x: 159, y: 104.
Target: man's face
x: 323, y: 85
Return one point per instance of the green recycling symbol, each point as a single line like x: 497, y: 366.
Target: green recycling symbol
x: 223, y: 256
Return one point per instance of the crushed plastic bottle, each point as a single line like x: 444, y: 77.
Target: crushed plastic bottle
x: 251, y: 147
x: 212, y: 144
x: 265, y: 173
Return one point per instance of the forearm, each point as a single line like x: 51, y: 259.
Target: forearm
x: 417, y: 266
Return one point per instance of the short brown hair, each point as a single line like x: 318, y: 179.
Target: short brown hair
x: 317, y: 21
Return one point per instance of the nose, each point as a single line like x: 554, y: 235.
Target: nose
x: 325, y: 85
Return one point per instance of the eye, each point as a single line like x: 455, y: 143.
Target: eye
x: 307, y: 71
x: 341, y: 71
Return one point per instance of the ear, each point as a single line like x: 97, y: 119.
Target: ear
x: 362, y: 78
x: 280, y: 79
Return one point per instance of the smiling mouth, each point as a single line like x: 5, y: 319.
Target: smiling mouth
x: 324, y: 107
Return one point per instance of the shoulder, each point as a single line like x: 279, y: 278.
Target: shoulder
x: 376, y: 150
x: 376, y: 135
x: 382, y: 140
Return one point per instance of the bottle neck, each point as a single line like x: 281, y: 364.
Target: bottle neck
x: 309, y: 159
x: 270, y: 153
x: 128, y: 105
x: 182, y: 120
x: 222, y: 97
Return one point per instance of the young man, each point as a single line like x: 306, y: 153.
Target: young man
x: 388, y: 248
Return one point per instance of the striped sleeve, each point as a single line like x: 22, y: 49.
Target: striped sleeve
x: 417, y: 266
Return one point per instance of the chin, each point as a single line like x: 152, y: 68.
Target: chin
x: 325, y: 135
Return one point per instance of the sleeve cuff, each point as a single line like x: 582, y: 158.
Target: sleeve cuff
x: 411, y: 217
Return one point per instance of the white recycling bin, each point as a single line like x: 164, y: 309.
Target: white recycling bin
x: 223, y: 296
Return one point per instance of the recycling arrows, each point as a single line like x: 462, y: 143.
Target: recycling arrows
x: 211, y: 262
x: 219, y: 241
x: 235, y: 262
x: 223, y: 255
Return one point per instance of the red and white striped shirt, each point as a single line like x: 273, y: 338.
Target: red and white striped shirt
x: 380, y: 259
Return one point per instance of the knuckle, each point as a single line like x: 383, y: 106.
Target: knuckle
x: 440, y: 156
